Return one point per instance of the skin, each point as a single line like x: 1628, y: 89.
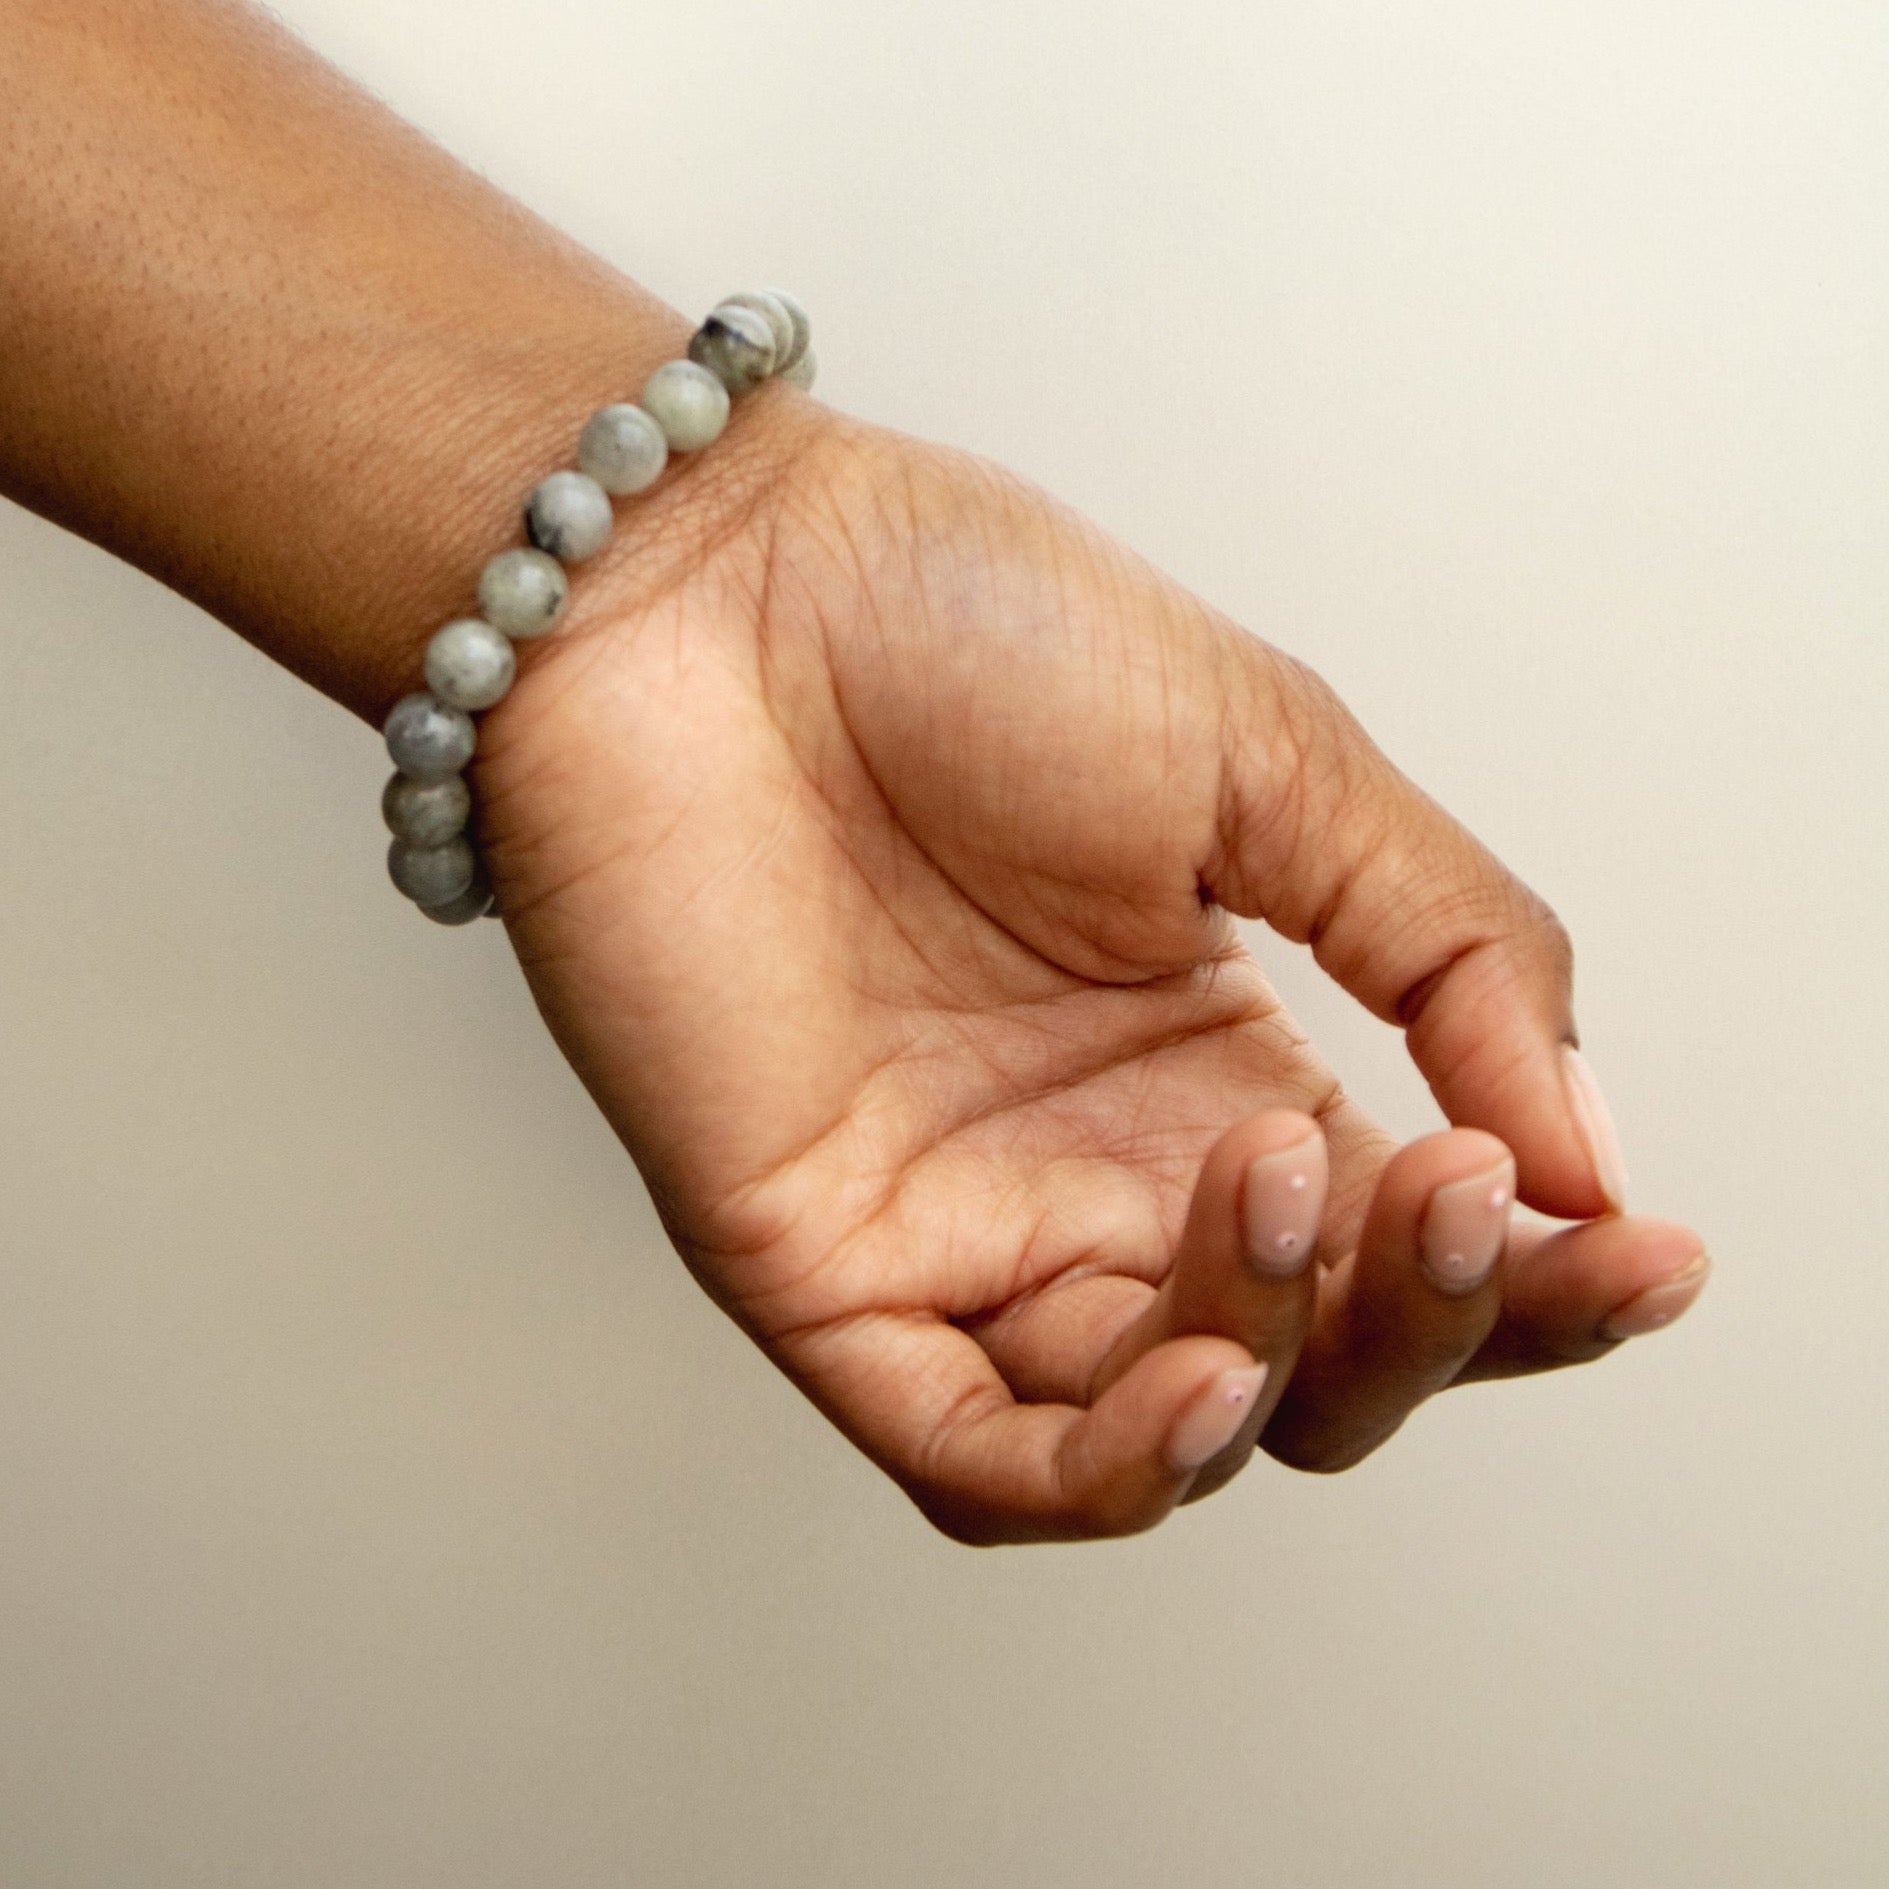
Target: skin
x: 869, y: 834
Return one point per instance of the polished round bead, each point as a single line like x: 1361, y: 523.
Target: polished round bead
x: 474, y: 902
x: 623, y: 449
x: 522, y: 592
x: 773, y: 311
x: 426, y: 813
x: 688, y: 403
x: 431, y: 875
x: 469, y: 664
x: 736, y: 345
x: 795, y: 351
x: 801, y: 373
x: 428, y: 738
x: 568, y: 515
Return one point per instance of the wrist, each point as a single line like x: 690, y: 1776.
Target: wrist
x: 415, y: 477
x: 273, y: 347
x: 420, y: 474
x: 663, y: 535
x: 472, y: 664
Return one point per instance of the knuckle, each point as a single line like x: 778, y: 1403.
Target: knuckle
x: 1553, y: 941
x: 1310, y: 1456
x: 1101, y: 1509
x: 1297, y: 766
x: 1114, y: 1520
x: 969, y: 1525
x: 1325, y: 1451
x: 1094, y: 1518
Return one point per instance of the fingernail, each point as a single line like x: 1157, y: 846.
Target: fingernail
x: 1596, y: 1123
x: 1213, y: 1419
x: 1464, y: 1229
x: 1659, y: 1305
x: 1281, y: 1203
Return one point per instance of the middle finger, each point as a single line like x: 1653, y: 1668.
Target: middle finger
x: 1397, y: 1321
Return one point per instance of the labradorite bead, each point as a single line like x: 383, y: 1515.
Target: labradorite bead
x: 773, y: 311
x: 469, y: 664
x: 430, y: 875
x: 801, y: 373
x: 474, y: 902
x: 569, y: 516
x: 428, y: 738
x: 522, y: 592
x: 688, y: 403
x: 736, y: 345
x: 426, y: 813
x: 623, y: 449
x: 791, y: 356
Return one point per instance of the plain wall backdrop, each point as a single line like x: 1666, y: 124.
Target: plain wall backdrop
x: 381, y: 1505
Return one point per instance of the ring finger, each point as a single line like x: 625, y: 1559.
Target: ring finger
x: 1397, y: 1320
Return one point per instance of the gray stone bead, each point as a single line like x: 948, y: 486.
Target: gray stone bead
x: 623, y: 449
x: 688, y: 403
x: 426, y: 813
x: 469, y: 664
x: 791, y: 356
x: 801, y: 373
x: 736, y: 345
x: 568, y: 515
x: 474, y: 902
x: 431, y: 875
x: 522, y: 592
x: 773, y: 311
x: 429, y: 739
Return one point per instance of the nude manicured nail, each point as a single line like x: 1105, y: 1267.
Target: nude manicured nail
x: 1213, y: 1419
x: 1596, y: 1123
x: 1281, y: 1203
x: 1659, y: 1305
x: 1465, y: 1228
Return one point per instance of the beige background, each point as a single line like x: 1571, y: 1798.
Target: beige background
x: 380, y: 1505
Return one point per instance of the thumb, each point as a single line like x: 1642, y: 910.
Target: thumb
x: 1325, y: 840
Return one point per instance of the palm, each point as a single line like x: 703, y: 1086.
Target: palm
x: 860, y: 870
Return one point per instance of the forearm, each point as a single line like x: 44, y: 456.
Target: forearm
x: 264, y: 340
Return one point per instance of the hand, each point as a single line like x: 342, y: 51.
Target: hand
x: 869, y: 838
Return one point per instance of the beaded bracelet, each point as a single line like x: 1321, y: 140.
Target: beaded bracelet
x: 522, y: 592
